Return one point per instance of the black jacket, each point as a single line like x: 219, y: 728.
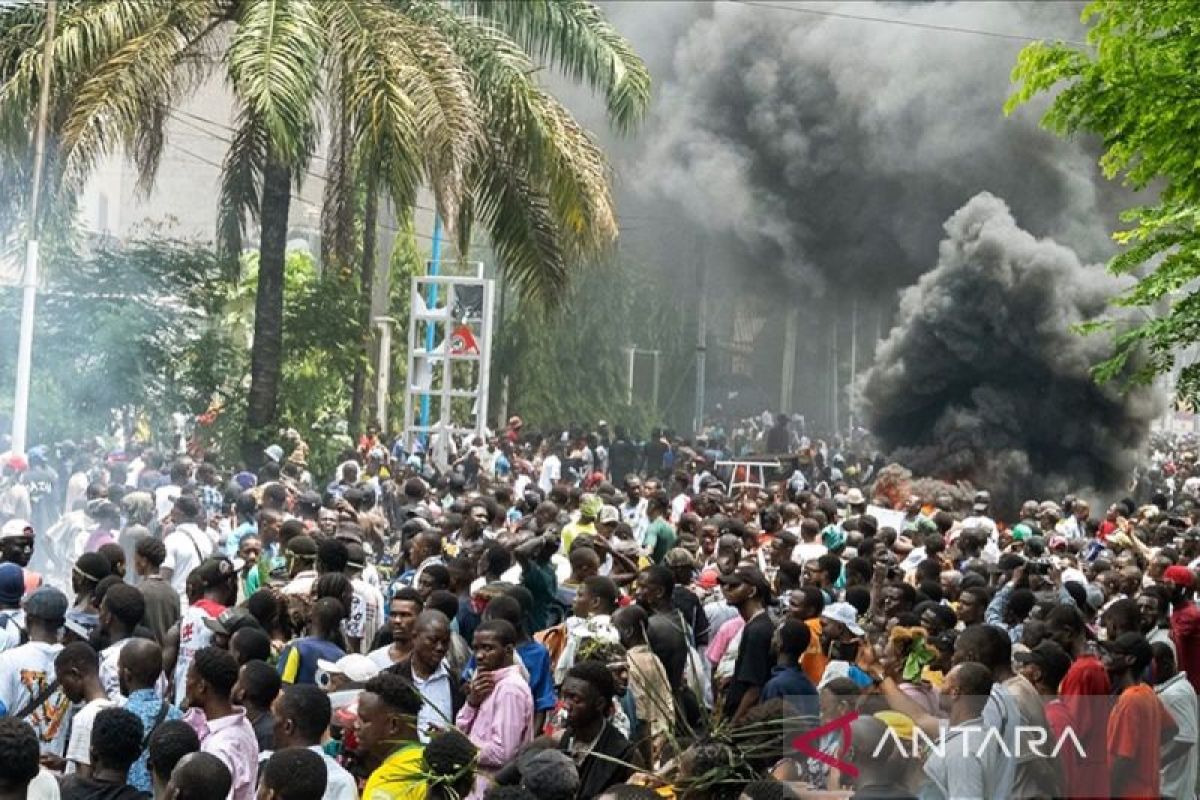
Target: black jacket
x: 597, y: 774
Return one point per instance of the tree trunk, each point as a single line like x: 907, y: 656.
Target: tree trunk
x: 266, y: 352
x: 358, y: 398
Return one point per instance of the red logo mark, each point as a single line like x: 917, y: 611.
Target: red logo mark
x: 809, y: 743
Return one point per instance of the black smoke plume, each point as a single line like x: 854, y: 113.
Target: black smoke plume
x: 983, y: 378
x: 827, y: 151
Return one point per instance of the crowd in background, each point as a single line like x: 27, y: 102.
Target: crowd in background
x: 583, y: 615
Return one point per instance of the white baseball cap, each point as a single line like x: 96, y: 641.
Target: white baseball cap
x: 845, y: 614
x: 357, y: 667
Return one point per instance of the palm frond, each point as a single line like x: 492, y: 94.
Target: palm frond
x: 126, y: 96
x: 274, y: 61
x: 574, y: 36
x: 409, y: 96
x: 241, y: 183
x: 553, y: 159
x: 522, y: 227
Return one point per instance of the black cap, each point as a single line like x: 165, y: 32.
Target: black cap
x: 302, y: 547
x: 1048, y: 655
x: 752, y: 576
x: 215, y: 571
x: 231, y: 621
x: 1131, y: 644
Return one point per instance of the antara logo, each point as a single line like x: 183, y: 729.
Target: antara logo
x: 1024, y: 742
x: 809, y: 743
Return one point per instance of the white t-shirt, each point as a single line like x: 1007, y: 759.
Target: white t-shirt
x: 12, y: 625
x: 380, y: 657
x: 79, y: 748
x: 366, y: 612
x: 187, y: 546
x: 25, y: 672
x: 551, y: 473
x: 164, y: 499
x: 808, y: 551
x: 110, y: 672
x: 339, y: 784
x: 194, y: 636
x: 43, y: 786
x: 1179, y: 777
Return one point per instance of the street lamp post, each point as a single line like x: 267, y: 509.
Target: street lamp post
x: 29, y: 278
x: 385, y: 371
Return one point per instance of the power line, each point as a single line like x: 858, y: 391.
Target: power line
x: 324, y: 179
x: 176, y: 112
x: 929, y: 26
x: 294, y: 196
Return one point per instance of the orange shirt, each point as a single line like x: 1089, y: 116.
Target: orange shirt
x: 813, y: 662
x: 1135, y: 730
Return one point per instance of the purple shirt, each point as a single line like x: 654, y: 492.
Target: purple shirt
x: 97, y: 539
x: 502, y: 723
x: 232, y: 740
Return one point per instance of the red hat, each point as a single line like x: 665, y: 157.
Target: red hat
x: 1180, y: 576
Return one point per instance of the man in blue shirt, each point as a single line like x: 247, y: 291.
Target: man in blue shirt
x: 298, y: 661
x: 788, y: 680
x: 139, y: 666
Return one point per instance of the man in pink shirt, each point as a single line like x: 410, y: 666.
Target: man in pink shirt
x: 498, y: 716
x: 222, y: 727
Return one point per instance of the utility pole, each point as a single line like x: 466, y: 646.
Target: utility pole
x: 834, y: 384
x: 701, y: 339
x: 384, y: 374
x: 29, y: 279
x: 788, y: 372
x: 853, y: 355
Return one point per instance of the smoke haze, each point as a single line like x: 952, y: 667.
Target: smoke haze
x: 983, y: 379
x: 830, y: 150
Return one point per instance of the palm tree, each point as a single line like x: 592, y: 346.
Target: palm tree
x: 417, y: 94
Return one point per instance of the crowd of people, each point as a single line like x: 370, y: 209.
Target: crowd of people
x: 584, y: 616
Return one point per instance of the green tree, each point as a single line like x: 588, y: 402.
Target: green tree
x: 138, y: 328
x: 570, y: 363
x: 1132, y: 85
x: 420, y: 93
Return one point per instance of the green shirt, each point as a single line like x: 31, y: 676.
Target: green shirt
x: 542, y: 583
x: 660, y: 537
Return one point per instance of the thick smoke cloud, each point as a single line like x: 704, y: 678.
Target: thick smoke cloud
x: 983, y: 378
x: 830, y: 150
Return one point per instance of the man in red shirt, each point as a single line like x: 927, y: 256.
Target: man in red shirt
x: 1045, y: 666
x: 1139, y: 726
x: 1185, y: 621
x: 1084, y: 692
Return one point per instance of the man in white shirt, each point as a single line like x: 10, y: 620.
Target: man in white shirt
x: 187, y: 544
x: 971, y: 763
x: 27, y: 687
x: 78, y: 670
x: 551, y: 470
x: 979, y: 516
x: 120, y: 613
x: 810, y: 547
x: 1181, y: 757
x: 633, y: 510
x: 302, y: 714
x: 165, y: 495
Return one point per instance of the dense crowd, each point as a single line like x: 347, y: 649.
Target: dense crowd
x: 583, y: 616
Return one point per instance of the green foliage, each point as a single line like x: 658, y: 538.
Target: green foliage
x: 137, y: 326
x: 1134, y: 86
x: 320, y: 345
x: 569, y: 364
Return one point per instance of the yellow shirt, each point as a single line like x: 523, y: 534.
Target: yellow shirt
x: 398, y: 777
